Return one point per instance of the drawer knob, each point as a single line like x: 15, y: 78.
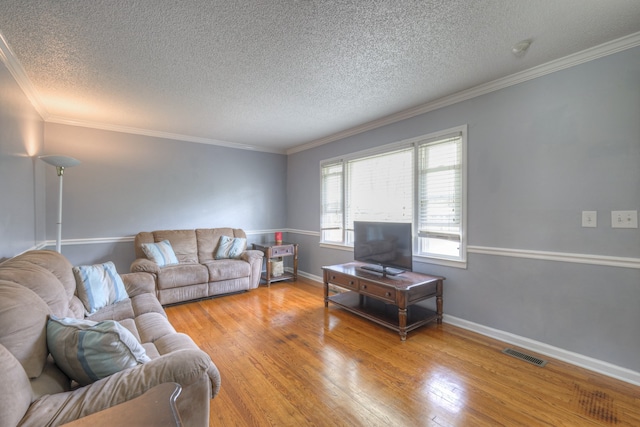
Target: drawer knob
x: 388, y: 294
x: 364, y: 286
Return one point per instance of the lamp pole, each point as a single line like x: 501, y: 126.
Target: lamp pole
x: 60, y: 162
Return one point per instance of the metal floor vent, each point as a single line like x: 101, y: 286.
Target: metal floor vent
x: 525, y: 357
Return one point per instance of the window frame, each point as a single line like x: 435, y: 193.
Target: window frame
x: 433, y: 258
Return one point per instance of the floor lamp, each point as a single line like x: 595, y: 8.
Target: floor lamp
x: 60, y: 162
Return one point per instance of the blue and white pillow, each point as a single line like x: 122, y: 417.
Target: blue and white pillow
x: 99, y: 285
x: 161, y: 253
x: 230, y: 247
x: 87, y: 351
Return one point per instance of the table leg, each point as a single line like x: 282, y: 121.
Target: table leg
x: 402, y: 323
x: 295, y: 262
x: 326, y: 294
x: 439, y: 302
x: 268, y: 278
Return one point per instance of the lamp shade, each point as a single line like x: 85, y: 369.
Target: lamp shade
x: 60, y: 161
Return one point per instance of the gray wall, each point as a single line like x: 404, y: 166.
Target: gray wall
x: 130, y: 183
x: 21, y: 175
x: 539, y: 153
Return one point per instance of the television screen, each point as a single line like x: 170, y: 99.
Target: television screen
x: 385, y: 247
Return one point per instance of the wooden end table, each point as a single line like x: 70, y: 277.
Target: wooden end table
x: 277, y: 250
x: 390, y: 301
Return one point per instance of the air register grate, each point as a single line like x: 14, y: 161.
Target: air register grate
x: 525, y: 357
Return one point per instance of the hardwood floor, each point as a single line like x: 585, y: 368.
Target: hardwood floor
x: 286, y: 360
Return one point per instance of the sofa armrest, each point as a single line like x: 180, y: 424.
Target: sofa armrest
x: 254, y: 258
x: 144, y: 265
x: 139, y: 283
x: 186, y: 367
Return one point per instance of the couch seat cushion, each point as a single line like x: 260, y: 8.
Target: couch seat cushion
x: 225, y: 269
x: 175, y: 276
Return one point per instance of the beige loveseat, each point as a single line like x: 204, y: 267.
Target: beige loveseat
x: 198, y: 274
x: 38, y: 286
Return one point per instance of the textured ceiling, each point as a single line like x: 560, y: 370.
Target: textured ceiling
x: 276, y: 74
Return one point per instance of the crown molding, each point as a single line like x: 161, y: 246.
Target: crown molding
x: 159, y: 134
x: 10, y: 60
x: 578, y: 58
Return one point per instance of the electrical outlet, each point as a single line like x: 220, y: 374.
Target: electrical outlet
x: 589, y: 218
x: 624, y: 219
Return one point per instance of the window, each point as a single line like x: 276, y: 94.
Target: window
x: 421, y: 181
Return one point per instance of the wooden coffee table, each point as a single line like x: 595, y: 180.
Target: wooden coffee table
x: 390, y: 301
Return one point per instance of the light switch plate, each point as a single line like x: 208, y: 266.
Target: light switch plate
x: 589, y: 218
x: 624, y: 219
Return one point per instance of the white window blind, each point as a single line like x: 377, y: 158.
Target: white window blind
x: 440, y: 195
x: 380, y: 188
x: 332, y: 203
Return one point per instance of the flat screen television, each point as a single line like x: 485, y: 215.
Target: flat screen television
x: 384, y: 247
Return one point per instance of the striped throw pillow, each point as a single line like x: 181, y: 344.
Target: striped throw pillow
x: 161, y: 253
x: 229, y: 247
x: 99, y: 285
x: 87, y: 351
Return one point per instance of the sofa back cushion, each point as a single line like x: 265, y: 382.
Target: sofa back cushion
x: 183, y: 242
x: 209, y: 238
x: 23, y: 326
x: 49, y: 274
x: 57, y: 264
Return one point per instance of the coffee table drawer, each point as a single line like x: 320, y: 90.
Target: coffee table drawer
x: 343, y: 280
x: 382, y: 292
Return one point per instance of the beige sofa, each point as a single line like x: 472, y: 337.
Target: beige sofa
x: 198, y: 274
x: 34, y: 391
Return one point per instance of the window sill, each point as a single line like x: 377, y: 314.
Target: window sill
x: 416, y: 258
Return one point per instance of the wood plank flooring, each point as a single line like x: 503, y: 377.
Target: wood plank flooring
x: 286, y: 360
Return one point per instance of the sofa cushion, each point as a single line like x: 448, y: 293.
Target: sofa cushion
x: 87, y: 351
x: 225, y: 269
x: 175, y: 276
x: 161, y: 253
x: 41, y: 281
x: 183, y: 242
x: 208, y: 239
x: 23, y: 323
x: 230, y: 247
x: 15, y: 390
x: 51, y: 381
x: 99, y: 285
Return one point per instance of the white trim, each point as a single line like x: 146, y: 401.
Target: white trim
x: 578, y: 58
x: 558, y: 256
x: 599, y: 366
x: 604, y: 260
x: 160, y: 134
x: 305, y: 232
x: 20, y: 76
x: 92, y: 241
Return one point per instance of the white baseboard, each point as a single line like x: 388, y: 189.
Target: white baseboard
x: 580, y: 360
